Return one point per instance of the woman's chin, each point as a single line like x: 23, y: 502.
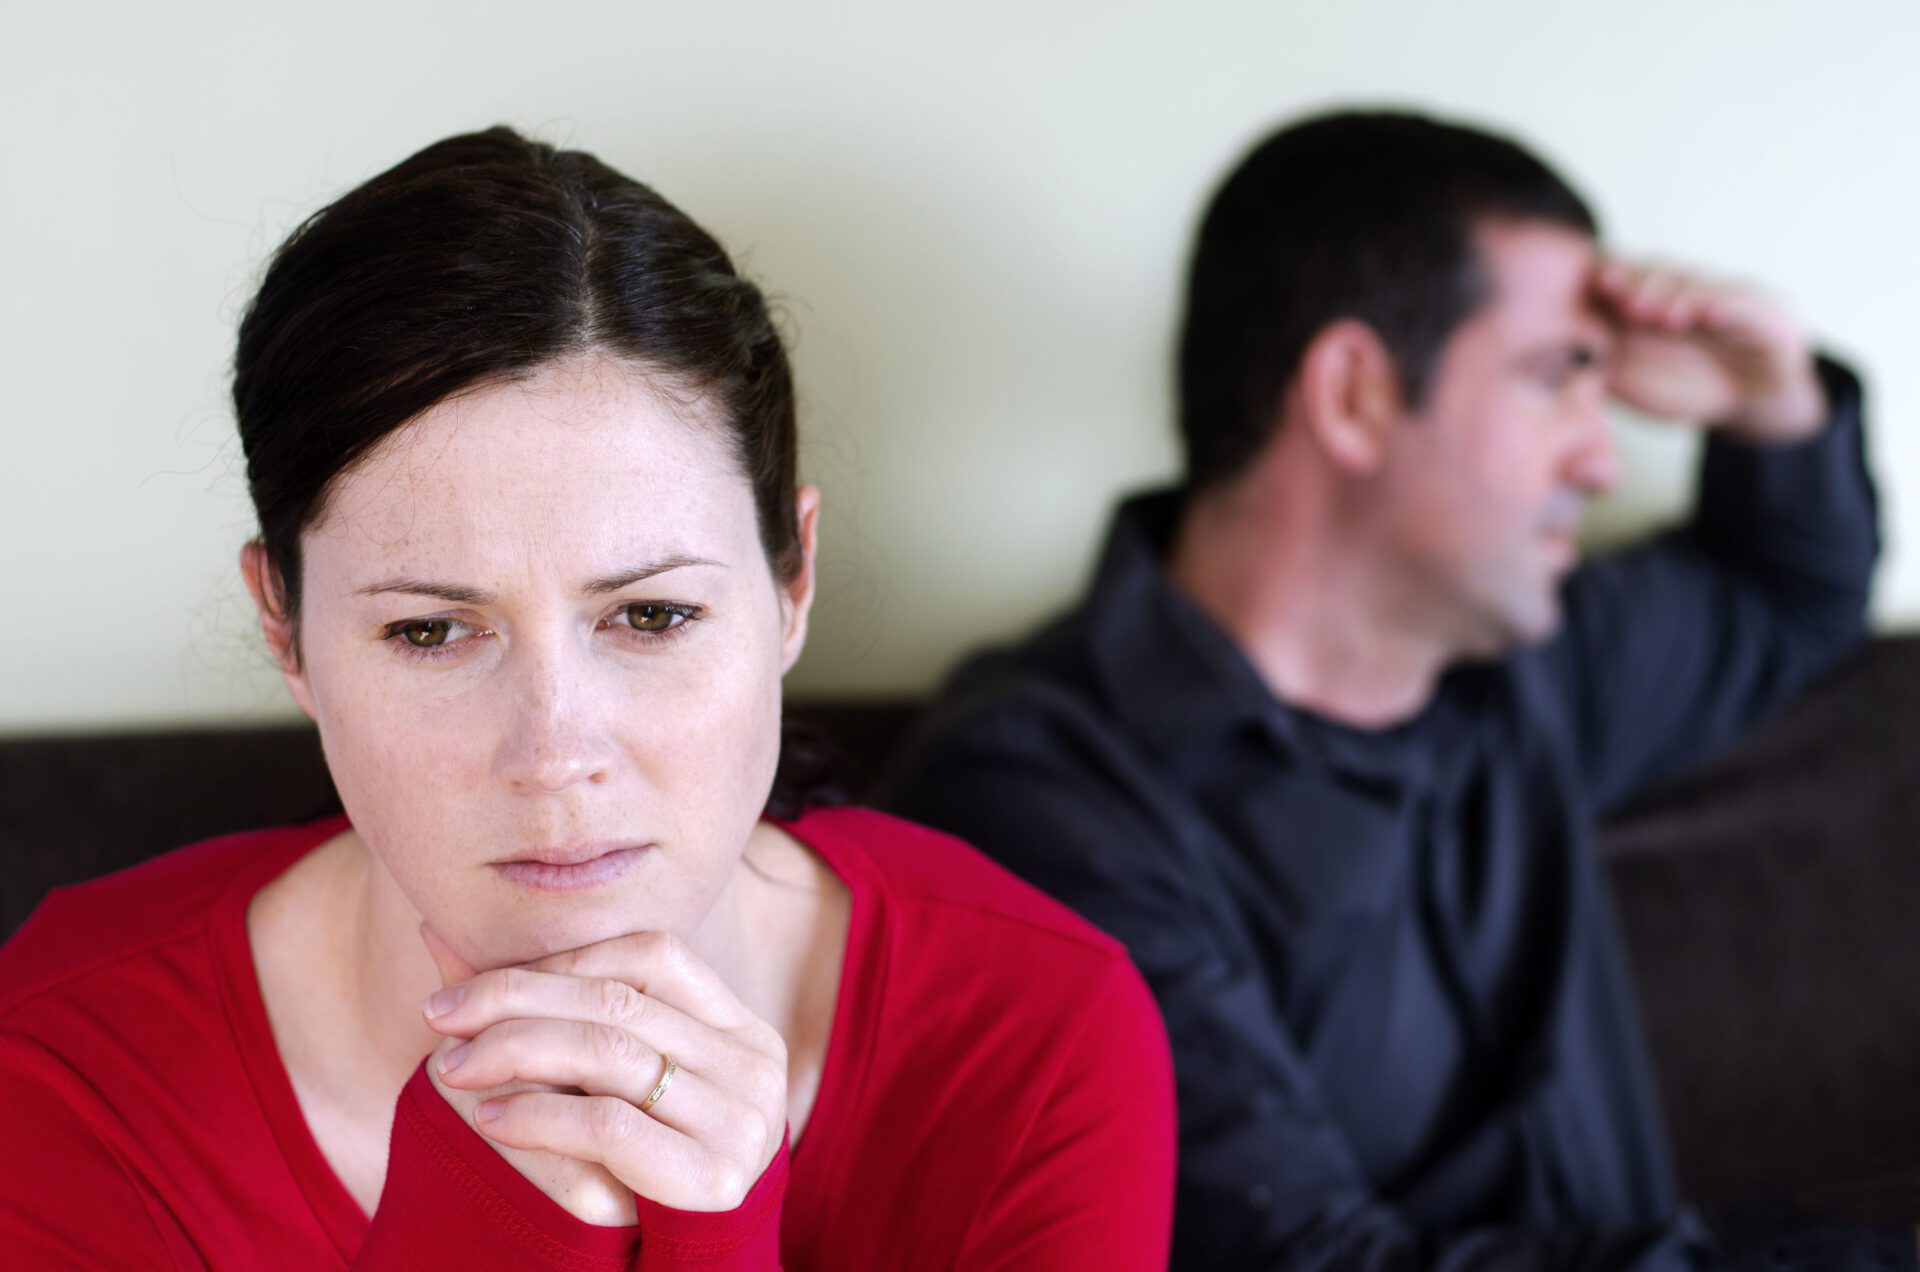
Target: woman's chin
x: 531, y: 929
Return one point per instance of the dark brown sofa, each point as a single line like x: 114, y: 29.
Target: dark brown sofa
x: 1771, y: 902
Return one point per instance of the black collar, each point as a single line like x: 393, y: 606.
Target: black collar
x: 1178, y: 682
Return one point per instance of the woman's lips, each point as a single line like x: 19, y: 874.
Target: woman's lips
x: 578, y: 870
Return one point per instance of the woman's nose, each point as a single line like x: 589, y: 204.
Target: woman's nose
x: 553, y: 737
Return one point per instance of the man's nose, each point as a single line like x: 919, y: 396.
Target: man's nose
x: 554, y: 738
x: 1593, y: 465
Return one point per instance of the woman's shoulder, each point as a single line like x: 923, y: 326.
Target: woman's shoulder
x: 943, y: 922
x: 934, y: 875
x: 85, y: 929
x: 994, y: 1030
x: 141, y: 1080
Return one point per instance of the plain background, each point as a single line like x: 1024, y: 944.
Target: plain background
x: 976, y: 216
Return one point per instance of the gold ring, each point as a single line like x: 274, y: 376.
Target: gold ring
x: 666, y: 1080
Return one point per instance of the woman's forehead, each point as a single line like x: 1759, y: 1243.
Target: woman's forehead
x: 584, y: 459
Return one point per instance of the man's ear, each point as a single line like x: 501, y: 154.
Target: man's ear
x: 283, y: 641
x: 796, y: 594
x: 1350, y: 391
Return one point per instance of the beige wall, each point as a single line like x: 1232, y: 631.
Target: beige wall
x: 977, y: 214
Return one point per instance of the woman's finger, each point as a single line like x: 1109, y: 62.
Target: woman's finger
x: 601, y: 1060
x: 659, y: 965
x: 513, y: 993
x: 646, y: 1155
x: 453, y: 968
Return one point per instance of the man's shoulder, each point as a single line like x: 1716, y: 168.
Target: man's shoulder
x: 1050, y: 669
x: 1042, y: 702
x: 1026, y: 756
x: 99, y: 926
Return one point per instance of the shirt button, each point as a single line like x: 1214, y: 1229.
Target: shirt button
x: 1259, y: 1196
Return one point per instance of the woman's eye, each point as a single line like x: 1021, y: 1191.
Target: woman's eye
x: 427, y: 633
x: 650, y: 616
x: 431, y: 635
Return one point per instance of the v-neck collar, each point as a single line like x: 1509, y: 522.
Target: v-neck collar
x: 856, y: 1006
x: 339, y: 1214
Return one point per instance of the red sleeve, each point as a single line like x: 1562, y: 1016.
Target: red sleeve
x: 66, y: 1198
x: 746, y: 1238
x: 452, y: 1201
x: 1092, y: 1184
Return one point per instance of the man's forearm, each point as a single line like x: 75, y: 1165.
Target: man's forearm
x: 1798, y: 519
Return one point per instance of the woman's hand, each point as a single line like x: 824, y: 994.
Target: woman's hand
x: 555, y: 1059
x: 585, y: 1190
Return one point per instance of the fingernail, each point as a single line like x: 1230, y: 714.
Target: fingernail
x: 451, y: 1061
x: 445, y: 1001
x: 489, y: 1110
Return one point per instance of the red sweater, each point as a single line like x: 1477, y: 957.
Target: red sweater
x: 997, y: 1093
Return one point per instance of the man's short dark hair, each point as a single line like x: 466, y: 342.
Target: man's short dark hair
x: 1357, y: 215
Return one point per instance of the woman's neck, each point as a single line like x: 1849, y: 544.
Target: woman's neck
x: 339, y: 942
x: 338, y: 926
x: 345, y: 974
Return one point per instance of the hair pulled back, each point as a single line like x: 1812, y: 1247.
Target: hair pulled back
x: 483, y: 258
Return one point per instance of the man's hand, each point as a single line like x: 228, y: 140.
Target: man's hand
x: 1724, y: 357
x: 590, y: 1030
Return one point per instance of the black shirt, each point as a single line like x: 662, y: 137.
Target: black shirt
x: 1401, y: 1018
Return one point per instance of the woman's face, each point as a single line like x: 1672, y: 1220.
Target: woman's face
x: 544, y: 647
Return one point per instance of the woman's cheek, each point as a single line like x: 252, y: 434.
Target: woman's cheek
x: 398, y: 763
x: 718, y: 724
x: 716, y: 743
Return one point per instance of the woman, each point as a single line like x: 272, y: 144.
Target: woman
x: 579, y: 980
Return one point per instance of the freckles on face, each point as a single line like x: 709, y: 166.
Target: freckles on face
x: 539, y: 628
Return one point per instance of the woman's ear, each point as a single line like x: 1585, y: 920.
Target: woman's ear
x: 283, y: 641
x: 796, y: 594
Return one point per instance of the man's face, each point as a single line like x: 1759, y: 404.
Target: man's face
x: 1485, y: 485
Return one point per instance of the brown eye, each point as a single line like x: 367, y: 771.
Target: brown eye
x: 652, y: 618
x: 428, y: 633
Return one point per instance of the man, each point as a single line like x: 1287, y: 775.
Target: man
x: 1326, y: 742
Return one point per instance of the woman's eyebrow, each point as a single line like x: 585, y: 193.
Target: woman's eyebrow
x: 457, y: 594
x: 452, y: 592
x: 621, y: 578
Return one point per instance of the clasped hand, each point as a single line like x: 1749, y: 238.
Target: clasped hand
x: 551, y: 1061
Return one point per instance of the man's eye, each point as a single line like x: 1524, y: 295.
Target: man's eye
x: 1567, y: 372
x: 651, y: 616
